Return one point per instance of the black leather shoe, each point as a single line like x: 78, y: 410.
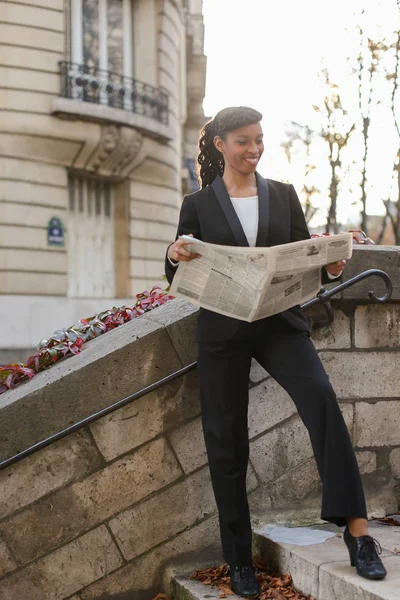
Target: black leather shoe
x: 363, y: 553
x: 244, y: 582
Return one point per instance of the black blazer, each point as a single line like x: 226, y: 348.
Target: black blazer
x: 209, y: 214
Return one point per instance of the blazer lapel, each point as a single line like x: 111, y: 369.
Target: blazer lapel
x: 220, y: 191
x: 232, y: 218
x: 263, y: 211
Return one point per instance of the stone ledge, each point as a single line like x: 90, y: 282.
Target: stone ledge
x: 77, y: 109
x: 108, y: 369
x: 386, y: 258
x: 323, y: 569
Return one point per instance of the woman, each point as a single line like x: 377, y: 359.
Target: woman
x: 236, y: 206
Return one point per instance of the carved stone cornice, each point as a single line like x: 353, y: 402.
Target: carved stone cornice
x: 116, y: 151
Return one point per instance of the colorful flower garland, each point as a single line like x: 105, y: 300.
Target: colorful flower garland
x: 70, y: 340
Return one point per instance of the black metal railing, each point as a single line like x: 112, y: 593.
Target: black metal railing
x: 323, y: 297
x: 90, y: 84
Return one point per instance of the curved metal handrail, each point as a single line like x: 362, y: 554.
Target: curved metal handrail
x: 323, y: 297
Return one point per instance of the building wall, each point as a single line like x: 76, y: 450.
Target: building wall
x: 41, y: 141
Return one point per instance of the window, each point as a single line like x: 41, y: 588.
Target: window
x: 91, y: 263
x: 101, y: 35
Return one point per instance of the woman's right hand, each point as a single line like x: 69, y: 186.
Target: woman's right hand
x: 177, y: 251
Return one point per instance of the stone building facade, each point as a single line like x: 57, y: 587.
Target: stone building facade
x: 100, y: 104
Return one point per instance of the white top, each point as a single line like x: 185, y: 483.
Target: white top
x: 247, y: 212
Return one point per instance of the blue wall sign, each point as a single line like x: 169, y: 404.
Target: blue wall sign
x: 55, y: 232
x: 193, y: 182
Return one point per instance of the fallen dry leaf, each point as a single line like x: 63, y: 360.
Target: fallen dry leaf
x: 389, y: 521
x: 273, y: 586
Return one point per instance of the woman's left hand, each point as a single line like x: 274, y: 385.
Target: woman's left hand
x: 336, y: 268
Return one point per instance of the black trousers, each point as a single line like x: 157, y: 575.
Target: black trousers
x: 290, y: 358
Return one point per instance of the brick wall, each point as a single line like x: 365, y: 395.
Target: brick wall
x: 99, y: 514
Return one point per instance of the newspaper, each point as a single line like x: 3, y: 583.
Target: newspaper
x: 253, y: 283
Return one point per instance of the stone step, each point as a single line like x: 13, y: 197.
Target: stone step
x: 318, y: 561
x: 188, y: 589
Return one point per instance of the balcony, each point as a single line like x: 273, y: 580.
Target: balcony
x: 94, y: 94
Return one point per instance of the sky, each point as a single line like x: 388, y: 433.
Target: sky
x: 267, y: 54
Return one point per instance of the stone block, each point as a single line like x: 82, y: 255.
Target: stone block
x: 167, y: 63
x: 169, y: 82
x: 177, y: 508
x: 23, y: 259
x: 140, y: 579
x: 65, y: 571
x: 158, y: 172
x: 377, y: 424
x: 339, y: 580
x: 296, y: 484
x: 81, y: 385
x: 348, y: 414
x: 259, y: 502
x: 302, y: 562
x: 168, y: 214
x: 49, y: 284
x: 31, y: 238
x: 366, y: 462
x: 37, y: 216
x: 151, y: 269
x: 377, y: 326
x: 394, y: 461
x: 257, y: 372
x: 269, y: 404
x: 25, y: 101
x: 188, y: 444
x: 139, y: 285
x: 35, y: 81
x: 168, y: 47
x: 170, y: 8
x: 280, y: 449
x: 149, y: 250
x: 333, y: 336
x: 29, y: 58
x: 385, y: 258
x: 156, y: 231
x: 363, y: 374
x: 75, y: 509
x: 27, y: 192
x: 381, y: 499
x: 15, y: 34
x: 38, y: 148
x: 151, y: 193
x: 33, y: 172
x: 171, y: 29
x: 47, y: 470
x: 137, y: 267
x: 52, y: 4
x: 7, y: 563
x: 147, y: 417
x: 33, y: 16
x: 180, y: 319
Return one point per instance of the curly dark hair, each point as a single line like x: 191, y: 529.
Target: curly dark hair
x: 210, y: 161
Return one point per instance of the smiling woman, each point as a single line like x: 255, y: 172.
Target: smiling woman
x: 238, y: 207
x: 238, y: 134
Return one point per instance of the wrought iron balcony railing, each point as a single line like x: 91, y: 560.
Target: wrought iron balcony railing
x: 90, y: 84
